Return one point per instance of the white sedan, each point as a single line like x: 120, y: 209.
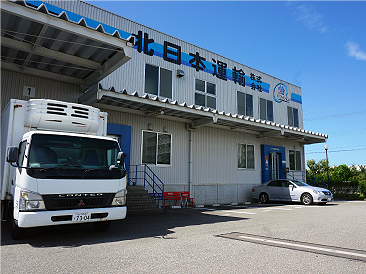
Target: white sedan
x: 291, y: 190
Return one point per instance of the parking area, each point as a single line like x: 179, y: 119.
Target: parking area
x: 272, y: 238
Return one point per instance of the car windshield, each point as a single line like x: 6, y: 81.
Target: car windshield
x: 70, y: 152
x: 299, y: 183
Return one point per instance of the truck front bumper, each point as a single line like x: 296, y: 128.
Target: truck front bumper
x: 46, y: 218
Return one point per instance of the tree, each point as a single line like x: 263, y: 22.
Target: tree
x: 341, y: 173
x: 317, y: 168
x: 362, y: 186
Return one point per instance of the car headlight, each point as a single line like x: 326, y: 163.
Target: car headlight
x: 30, y: 201
x: 120, y: 198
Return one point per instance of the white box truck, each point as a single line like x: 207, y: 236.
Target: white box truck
x: 58, y: 166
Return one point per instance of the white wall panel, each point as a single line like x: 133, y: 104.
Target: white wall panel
x: 12, y: 84
x: 227, y: 194
x: 206, y: 195
x: 215, y: 151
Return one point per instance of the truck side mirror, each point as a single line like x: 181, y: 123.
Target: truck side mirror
x: 121, y: 161
x: 12, y: 155
x: 121, y: 158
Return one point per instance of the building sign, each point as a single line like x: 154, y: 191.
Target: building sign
x: 172, y: 53
x: 280, y: 93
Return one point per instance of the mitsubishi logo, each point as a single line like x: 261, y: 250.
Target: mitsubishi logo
x: 81, y: 203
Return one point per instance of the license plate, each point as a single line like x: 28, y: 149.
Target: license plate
x: 81, y: 216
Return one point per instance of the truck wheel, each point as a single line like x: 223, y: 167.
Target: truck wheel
x: 16, y: 232
x: 101, y: 226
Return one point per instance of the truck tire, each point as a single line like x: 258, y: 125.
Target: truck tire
x: 101, y: 226
x: 16, y: 232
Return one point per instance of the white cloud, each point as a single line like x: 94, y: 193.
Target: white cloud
x: 306, y: 14
x: 354, y: 51
x: 311, y: 19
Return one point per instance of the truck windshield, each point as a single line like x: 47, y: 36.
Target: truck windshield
x: 71, y: 152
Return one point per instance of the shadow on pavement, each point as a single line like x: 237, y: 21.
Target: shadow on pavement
x: 133, y: 227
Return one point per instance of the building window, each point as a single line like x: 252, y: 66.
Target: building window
x: 293, y: 117
x: 158, y: 81
x: 266, y: 110
x: 156, y: 148
x: 205, y: 94
x: 295, y: 160
x: 245, y: 104
x: 245, y: 156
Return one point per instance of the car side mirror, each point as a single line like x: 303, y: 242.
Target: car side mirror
x: 12, y: 155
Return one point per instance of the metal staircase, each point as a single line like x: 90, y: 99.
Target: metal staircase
x: 139, y: 202
x: 145, y: 191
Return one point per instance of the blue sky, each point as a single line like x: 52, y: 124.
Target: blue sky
x: 319, y: 46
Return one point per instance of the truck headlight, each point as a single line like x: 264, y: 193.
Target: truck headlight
x: 30, y: 201
x: 120, y: 198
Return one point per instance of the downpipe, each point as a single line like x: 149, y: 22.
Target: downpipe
x: 190, y: 163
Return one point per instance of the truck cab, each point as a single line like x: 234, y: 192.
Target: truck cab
x: 59, y: 177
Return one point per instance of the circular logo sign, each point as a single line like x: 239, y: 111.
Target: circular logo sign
x: 280, y: 93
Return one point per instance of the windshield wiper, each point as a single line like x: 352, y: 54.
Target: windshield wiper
x: 98, y: 168
x: 68, y: 165
x: 44, y: 169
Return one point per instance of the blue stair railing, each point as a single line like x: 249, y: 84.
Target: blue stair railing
x: 307, y: 178
x: 300, y: 176
x: 316, y: 182
x: 143, y: 175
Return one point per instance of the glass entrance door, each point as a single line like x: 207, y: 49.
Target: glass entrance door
x: 272, y: 161
x: 273, y: 166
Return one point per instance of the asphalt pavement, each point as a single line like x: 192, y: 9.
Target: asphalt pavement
x: 273, y: 238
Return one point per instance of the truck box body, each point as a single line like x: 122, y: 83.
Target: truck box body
x: 67, y: 169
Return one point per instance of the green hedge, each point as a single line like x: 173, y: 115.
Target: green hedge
x: 343, y: 184
x: 362, y: 186
x: 349, y: 196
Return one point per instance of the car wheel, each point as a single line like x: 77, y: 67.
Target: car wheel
x: 263, y: 198
x: 101, y: 226
x: 306, y: 199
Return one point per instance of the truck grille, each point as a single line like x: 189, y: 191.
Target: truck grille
x: 61, y: 202
x: 77, y: 202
